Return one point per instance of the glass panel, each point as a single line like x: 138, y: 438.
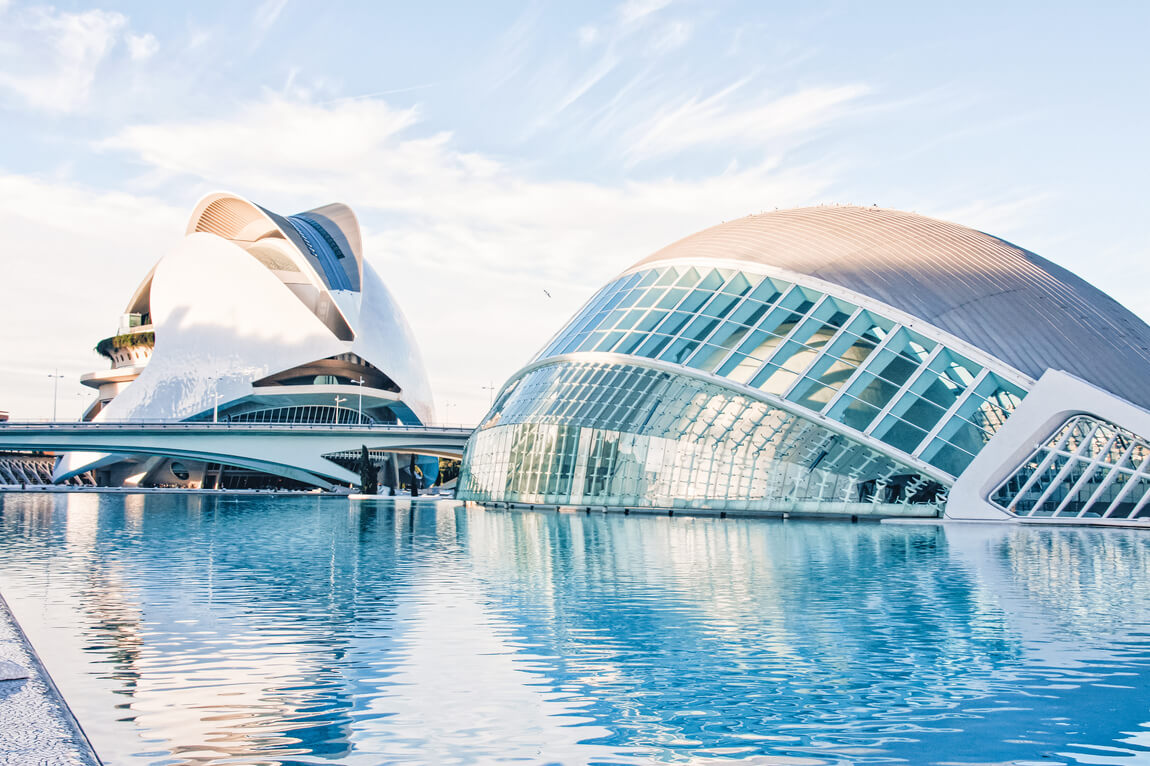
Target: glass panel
x: 899, y: 434
x: 964, y: 434
x: 689, y: 279
x: 749, y: 312
x: 947, y: 457
x: 1137, y: 490
x: 740, y: 283
x: 721, y: 305
x: 651, y: 319
x: 672, y: 298
x: 647, y: 278
x: 653, y: 345
x: 872, y: 390
x: 793, y: 357
x: 610, y: 340
x: 832, y: 372
x: 650, y: 297
x: 871, y: 327
x: 591, y: 341
x: 1082, y: 492
x: 674, y: 322
x: 678, y: 351
x: 911, y: 345
x: 712, y: 281
x: 708, y: 357
x: 918, y: 411
x: 811, y: 395
x: 695, y: 301
x: 700, y: 327
x: 892, y: 367
x: 759, y: 344
x: 854, y: 413
x: 630, y: 343
x: 773, y: 379
x: 630, y: 319
x: 769, y: 290
x: 740, y: 367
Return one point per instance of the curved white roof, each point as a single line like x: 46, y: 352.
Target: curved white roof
x: 1021, y: 308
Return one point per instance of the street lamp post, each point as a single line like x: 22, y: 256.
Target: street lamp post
x: 338, y: 399
x: 359, y: 382
x: 55, y: 376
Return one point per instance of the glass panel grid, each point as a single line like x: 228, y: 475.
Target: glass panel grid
x: 816, y: 350
x: 645, y: 437
x: 1082, y: 471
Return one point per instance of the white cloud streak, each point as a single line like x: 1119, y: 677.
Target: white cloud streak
x: 49, y: 58
x: 727, y: 118
x: 77, y: 255
x: 267, y: 13
x: 142, y: 47
x: 480, y: 233
x: 634, y: 11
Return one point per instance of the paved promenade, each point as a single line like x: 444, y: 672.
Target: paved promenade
x: 36, y: 726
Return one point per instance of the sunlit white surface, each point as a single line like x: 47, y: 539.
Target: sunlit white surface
x: 224, y: 318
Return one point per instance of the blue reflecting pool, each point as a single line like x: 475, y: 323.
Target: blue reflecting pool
x: 307, y: 630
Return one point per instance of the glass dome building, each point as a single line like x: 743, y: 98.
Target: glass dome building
x: 827, y: 360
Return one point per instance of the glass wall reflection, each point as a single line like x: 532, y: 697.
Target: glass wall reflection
x: 309, y: 630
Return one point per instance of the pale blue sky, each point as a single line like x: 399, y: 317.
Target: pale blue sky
x: 495, y: 150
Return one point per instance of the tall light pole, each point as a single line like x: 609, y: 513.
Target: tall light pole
x: 490, y: 393
x: 55, y: 376
x: 216, y: 405
x: 338, y: 399
x: 359, y: 382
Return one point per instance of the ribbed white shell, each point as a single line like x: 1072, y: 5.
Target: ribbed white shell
x: 1007, y: 301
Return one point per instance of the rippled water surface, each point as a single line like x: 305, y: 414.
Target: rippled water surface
x: 198, y: 629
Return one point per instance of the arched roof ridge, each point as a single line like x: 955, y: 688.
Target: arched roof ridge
x: 1008, y: 301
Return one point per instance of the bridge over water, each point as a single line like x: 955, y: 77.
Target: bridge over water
x: 296, y: 451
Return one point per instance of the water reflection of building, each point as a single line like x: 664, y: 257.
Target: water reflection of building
x: 832, y: 360
x: 345, y: 633
x: 907, y: 640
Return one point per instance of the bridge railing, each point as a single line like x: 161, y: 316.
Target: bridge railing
x: 197, y: 425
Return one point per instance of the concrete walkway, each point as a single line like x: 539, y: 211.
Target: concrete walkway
x: 36, y: 726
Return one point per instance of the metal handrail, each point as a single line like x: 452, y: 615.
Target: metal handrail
x: 185, y: 425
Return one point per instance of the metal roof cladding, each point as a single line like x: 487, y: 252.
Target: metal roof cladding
x: 1007, y: 301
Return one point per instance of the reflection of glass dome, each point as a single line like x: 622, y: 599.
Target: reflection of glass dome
x: 828, y: 359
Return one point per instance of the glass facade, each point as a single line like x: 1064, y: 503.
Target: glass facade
x: 304, y: 413
x: 1088, y: 468
x: 793, y: 343
x: 590, y: 432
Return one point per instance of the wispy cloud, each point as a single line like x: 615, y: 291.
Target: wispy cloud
x: 731, y: 117
x: 670, y: 37
x: 104, y: 242
x: 49, y: 58
x: 142, y: 47
x: 633, y: 11
x: 267, y: 13
x: 431, y: 209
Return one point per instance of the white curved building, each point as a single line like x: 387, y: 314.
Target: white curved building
x: 833, y: 360
x: 256, y: 317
